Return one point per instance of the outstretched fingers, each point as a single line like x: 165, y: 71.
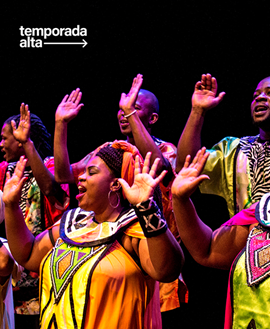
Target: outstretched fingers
x: 214, y: 85
x: 20, y: 166
x: 136, y: 85
x: 137, y: 81
x: 208, y: 83
x: 19, y: 171
x: 24, y: 113
x: 195, y: 159
x: 137, y: 166
x: 187, y: 161
x: 75, y: 96
x: 154, y: 167
x: 147, y: 168
x: 160, y: 178
x: 146, y: 164
x: 220, y: 96
x: 124, y: 184
x: 13, y: 125
x: 65, y: 99
x: 14, y: 183
x: 70, y: 97
x: 152, y: 170
x: 195, y: 182
x: 199, y: 160
x: 198, y: 86
x: 202, y: 158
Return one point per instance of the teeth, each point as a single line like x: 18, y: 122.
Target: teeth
x: 261, y: 108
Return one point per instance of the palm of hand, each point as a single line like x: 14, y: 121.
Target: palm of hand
x: 67, y: 110
x: 141, y: 190
x: 184, y: 183
x: 204, y: 98
x: 128, y: 101
x: 11, y: 191
x: 22, y: 133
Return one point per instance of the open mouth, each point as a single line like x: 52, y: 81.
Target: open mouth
x: 260, y: 108
x: 124, y: 124
x: 123, y: 121
x: 82, y: 190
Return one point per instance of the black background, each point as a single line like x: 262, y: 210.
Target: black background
x: 171, y: 44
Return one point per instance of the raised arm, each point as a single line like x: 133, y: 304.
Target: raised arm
x: 203, y: 99
x: 160, y: 255
x: 27, y: 250
x: 43, y: 176
x: 142, y: 138
x: 213, y: 249
x: 67, y: 110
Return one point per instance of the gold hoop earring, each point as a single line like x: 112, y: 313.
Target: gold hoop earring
x: 118, y: 199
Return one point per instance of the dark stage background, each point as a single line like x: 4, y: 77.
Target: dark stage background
x: 171, y: 44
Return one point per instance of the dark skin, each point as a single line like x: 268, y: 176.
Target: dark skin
x: 141, y: 123
x: 6, y: 264
x: 138, y: 130
x: 260, y: 108
x: 161, y: 256
x: 204, y: 98
x: 209, y: 248
x: 44, y: 178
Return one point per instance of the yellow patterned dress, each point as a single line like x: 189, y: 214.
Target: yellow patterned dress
x: 88, y: 280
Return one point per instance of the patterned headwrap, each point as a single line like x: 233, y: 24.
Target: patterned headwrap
x: 126, y: 153
x: 120, y: 157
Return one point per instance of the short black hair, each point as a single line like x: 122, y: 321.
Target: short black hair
x: 153, y: 101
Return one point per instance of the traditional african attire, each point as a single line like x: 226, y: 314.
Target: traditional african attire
x: 39, y: 212
x: 239, y: 171
x: 171, y: 294
x: 249, y: 281
x: 88, y: 280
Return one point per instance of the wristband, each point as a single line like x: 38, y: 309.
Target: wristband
x: 150, y: 217
x: 128, y: 115
x: 1, y: 243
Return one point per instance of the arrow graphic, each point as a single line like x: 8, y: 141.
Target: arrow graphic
x: 84, y: 43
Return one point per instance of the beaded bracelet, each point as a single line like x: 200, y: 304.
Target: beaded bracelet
x: 128, y: 115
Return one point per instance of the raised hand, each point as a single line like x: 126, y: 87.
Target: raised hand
x: 22, y: 133
x: 13, y: 185
x: 205, y: 91
x: 190, y: 176
x: 70, y: 106
x: 127, y: 102
x: 145, y: 181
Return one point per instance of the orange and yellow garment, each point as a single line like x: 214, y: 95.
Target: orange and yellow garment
x: 88, y: 280
x: 172, y: 293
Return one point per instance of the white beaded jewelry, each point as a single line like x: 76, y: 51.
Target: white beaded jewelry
x: 128, y: 115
